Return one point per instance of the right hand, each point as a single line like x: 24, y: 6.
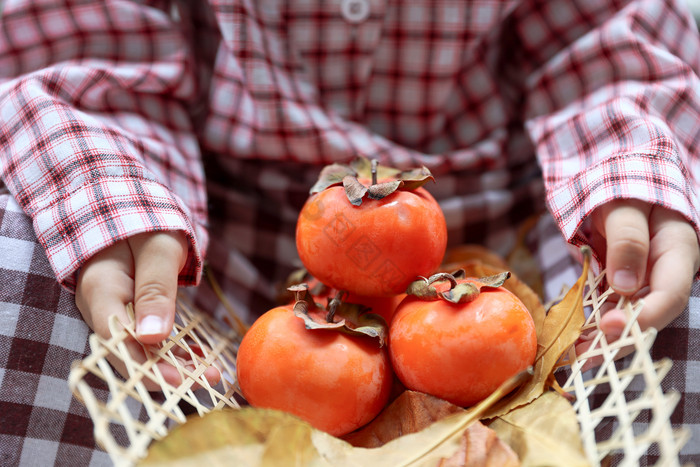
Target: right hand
x: 142, y: 269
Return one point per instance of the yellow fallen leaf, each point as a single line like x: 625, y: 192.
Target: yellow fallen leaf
x: 262, y: 437
x: 254, y: 437
x: 543, y: 432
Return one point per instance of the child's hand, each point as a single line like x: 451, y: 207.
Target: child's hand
x: 142, y: 269
x: 649, y: 251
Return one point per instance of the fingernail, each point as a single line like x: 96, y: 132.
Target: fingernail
x: 625, y: 280
x: 151, y: 325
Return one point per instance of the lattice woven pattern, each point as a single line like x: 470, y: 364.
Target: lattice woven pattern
x: 628, y: 441
x: 133, y: 417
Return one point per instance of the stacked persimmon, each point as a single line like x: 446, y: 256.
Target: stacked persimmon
x: 371, y: 236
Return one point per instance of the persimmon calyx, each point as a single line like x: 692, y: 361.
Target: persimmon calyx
x: 348, y: 176
x: 349, y: 318
x: 459, y: 292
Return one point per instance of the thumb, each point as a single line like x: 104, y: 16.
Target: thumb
x: 158, y: 259
x: 626, y: 230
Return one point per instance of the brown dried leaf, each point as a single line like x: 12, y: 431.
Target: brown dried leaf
x: 481, y: 447
x: 383, y: 189
x: 543, y: 432
x: 465, y: 292
x: 409, y: 413
x: 385, y: 182
x: 354, y: 190
x: 415, y: 178
x: 332, y: 174
x: 525, y: 266
x: 422, y: 288
x: 349, y: 318
x: 425, y: 448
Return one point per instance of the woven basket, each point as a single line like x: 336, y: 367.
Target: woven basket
x: 132, y: 418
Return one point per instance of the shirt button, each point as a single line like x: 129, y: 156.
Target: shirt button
x: 355, y: 11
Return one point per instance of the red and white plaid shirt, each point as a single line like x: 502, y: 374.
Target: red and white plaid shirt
x: 111, y: 113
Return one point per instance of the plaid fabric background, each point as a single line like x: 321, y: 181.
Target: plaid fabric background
x: 41, y: 333
x: 113, y: 113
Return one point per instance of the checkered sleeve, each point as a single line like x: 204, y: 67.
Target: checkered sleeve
x: 96, y: 142
x: 611, y: 102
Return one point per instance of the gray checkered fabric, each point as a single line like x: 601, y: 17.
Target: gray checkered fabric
x: 41, y: 334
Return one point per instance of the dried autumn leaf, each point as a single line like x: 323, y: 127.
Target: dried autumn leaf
x: 348, y: 318
x: 543, y: 432
x: 438, y: 441
x: 465, y: 292
x: 459, y: 291
x: 254, y: 436
x: 332, y: 174
x: 249, y: 436
x: 481, y: 447
x: 354, y: 190
x: 559, y: 330
x: 384, y: 180
x: 411, y: 412
x: 382, y: 190
x: 415, y: 178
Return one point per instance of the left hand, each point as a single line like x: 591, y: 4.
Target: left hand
x: 649, y: 251
x: 142, y: 269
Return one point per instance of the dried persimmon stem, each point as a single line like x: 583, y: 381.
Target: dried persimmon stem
x: 299, y: 290
x: 334, y: 304
x: 374, y: 171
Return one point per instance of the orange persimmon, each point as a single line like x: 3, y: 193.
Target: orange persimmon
x: 462, y: 342
x: 336, y: 381
x: 371, y: 238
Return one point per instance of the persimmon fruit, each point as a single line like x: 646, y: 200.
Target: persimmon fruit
x: 371, y: 236
x: 335, y: 381
x: 462, y: 351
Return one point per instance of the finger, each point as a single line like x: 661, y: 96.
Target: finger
x: 612, y: 320
x: 671, y: 281
x: 626, y: 229
x: 158, y: 259
x: 675, y: 258
x: 105, y: 285
x: 104, y: 288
